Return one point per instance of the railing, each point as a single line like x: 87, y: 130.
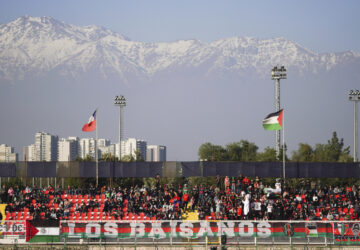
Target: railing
x: 181, y: 232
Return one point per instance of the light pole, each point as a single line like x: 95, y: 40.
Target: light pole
x: 277, y: 74
x: 354, y: 95
x: 121, y: 102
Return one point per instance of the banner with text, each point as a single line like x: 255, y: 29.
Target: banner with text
x: 185, y: 229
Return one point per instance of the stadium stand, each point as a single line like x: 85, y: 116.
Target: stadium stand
x: 233, y: 199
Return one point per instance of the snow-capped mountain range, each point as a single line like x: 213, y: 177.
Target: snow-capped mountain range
x: 35, y: 46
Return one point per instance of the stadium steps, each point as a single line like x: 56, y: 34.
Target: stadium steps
x: 192, y: 215
x: 188, y: 215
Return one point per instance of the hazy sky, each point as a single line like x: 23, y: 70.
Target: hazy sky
x: 318, y: 25
x: 321, y: 25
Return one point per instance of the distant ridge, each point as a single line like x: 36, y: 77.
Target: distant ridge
x: 38, y: 45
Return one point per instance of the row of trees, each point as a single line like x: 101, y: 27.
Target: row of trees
x: 332, y: 151
x: 111, y: 157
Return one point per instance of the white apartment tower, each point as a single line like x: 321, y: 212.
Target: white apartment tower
x: 46, y: 147
x: 110, y: 149
x: 87, y: 147
x: 131, y: 145
x: 68, y: 149
x: 103, y: 143
x: 7, y: 154
x: 29, y: 153
x: 155, y: 153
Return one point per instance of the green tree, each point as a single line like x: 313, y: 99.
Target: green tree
x: 87, y: 158
x: 269, y: 155
x: 108, y: 157
x: 248, y: 151
x: 234, y: 151
x: 138, y: 156
x: 320, y: 153
x: 210, y: 152
x: 334, y: 148
x: 127, y: 158
x: 305, y: 153
x: 345, y: 155
x: 333, y: 151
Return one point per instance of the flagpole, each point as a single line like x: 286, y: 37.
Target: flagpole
x: 96, y: 152
x: 283, y: 136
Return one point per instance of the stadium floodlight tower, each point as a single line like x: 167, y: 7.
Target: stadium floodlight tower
x: 121, y: 102
x: 354, y: 95
x: 277, y: 73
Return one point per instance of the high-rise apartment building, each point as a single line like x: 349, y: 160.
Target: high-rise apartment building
x: 155, y: 153
x: 68, y: 149
x: 46, y: 147
x: 110, y: 149
x: 29, y: 153
x: 131, y: 145
x: 7, y: 154
x: 103, y: 143
x: 87, y: 147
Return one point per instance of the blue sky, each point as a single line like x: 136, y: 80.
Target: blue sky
x: 322, y: 26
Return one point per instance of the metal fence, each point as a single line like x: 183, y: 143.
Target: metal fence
x: 178, y: 169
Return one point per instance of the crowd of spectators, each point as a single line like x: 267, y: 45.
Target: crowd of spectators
x: 230, y: 198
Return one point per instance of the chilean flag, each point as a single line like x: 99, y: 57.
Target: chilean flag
x: 91, y: 125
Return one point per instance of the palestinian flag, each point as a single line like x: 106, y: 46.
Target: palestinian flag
x: 288, y: 229
x: 42, y: 231
x: 325, y: 230
x: 273, y: 121
x: 311, y: 229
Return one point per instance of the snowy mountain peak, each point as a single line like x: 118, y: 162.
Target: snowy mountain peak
x: 35, y: 46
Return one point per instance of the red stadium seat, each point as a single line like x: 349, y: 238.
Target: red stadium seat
x: 142, y: 215
x: 18, y: 215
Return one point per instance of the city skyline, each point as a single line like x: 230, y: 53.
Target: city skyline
x: 48, y: 147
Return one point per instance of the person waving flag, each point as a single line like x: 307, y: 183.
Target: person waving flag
x: 91, y: 125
